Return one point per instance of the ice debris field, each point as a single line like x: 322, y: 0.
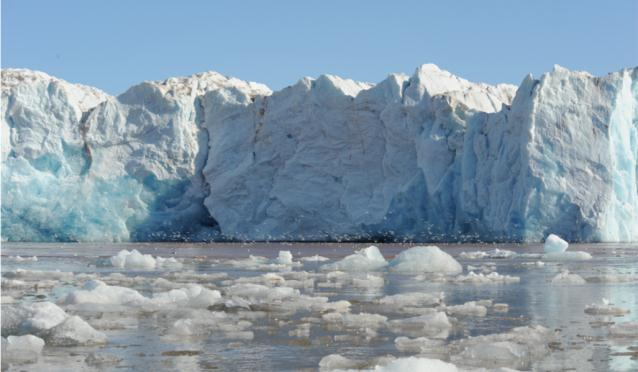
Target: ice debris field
x: 425, y: 157
x: 275, y: 307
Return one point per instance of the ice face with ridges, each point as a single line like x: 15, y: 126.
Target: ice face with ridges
x: 427, y: 157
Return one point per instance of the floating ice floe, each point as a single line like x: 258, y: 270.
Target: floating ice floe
x: 38, y: 275
x: 612, y: 278
x: 435, y: 324
x: 416, y: 364
x: 471, y: 308
x: 428, y: 259
x: 99, y: 293
x: 555, y: 249
x: 567, y: 256
x: 624, y: 330
x: 494, y: 254
x: 517, y: 349
x: 336, y: 362
x: 315, y: 258
x: 480, y: 278
x: 204, y: 322
x: 21, y: 349
x: 565, y: 277
x: 47, y: 320
x: 554, y: 244
x: 284, y: 258
x: 366, y: 259
x: 22, y: 259
x: 420, y: 345
x: 134, y: 260
x: 605, y: 308
x: 361, y: 320
x: 102, y: 360
x: 74, y: 331
x: 411, y: 299
x: 283, y: 261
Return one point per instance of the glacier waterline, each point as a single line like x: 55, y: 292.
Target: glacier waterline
x: 430, y: 157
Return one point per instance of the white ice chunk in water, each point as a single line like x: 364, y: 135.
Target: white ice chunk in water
x: 416, y: 364
x: 568, y: 256
x: 428, y: 259
x: 421, y: 345
x: 517, y: 349
x: 480, y: 278
x: 413, y: 299
x: 470, y: 308
x: 554, y: 244
x: 35, y: 317
x: 565, y: 277
x: 134, y: 260
x: 74, y: 331
x: 367, y: 259
x: 284, y: 258
x: 315, y: 258
x: 494, y: 253
x: 434, y: 325
x: 605, y: 308
x: 21, y: 348
x: 96, y: 292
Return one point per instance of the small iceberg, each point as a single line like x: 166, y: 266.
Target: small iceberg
x: 134, y: 260
x: 565, y: 277
x: 556, y: 250
x: 366, y: 259
x: 554, y: 244
x: 430, y: 259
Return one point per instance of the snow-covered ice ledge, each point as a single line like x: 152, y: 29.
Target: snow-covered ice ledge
x: 427, y: 157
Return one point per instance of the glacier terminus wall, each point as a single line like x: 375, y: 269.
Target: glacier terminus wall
x: 427, y: 157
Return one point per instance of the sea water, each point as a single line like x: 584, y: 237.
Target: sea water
x: 289, y: 333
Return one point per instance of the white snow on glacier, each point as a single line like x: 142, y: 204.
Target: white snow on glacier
x: 428, y: 157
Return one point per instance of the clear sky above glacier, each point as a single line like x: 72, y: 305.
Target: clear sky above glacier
x: 114, y: 44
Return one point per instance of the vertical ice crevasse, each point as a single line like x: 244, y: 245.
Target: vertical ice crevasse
x: 621, y: 218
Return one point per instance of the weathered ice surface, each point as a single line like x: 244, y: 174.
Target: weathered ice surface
x: 424, y: 157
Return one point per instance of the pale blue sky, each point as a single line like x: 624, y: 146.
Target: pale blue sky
x: 114, y: 44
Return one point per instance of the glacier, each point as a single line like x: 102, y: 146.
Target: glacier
x: 426, y: 157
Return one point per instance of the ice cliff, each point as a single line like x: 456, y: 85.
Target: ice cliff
x: 424, y: 157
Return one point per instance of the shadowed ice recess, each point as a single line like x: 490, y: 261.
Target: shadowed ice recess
x: 427, y: 157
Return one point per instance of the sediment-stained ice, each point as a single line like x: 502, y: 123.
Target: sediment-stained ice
x: 624, y: 330
x: 605, y: 308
